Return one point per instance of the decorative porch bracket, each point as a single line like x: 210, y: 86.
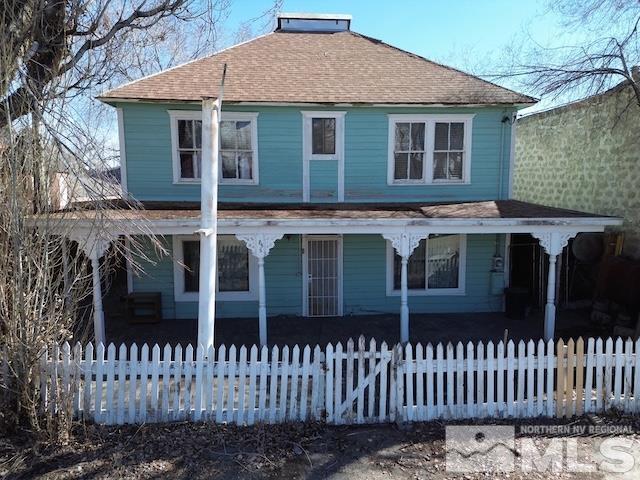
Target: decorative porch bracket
x: 260, y: 244
x: 553, y: 243
x: 404, y: 244
x: 95, y: 248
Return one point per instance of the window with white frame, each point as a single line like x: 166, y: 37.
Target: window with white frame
x: 323, y: 135
x: 238, y: 147
x: 430, y: 148
x: 436, y: 266
x: 236, y: 269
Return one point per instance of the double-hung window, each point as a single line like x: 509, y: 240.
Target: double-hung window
x: 436, y: 267
x: 430, y: 148
x: 238, y: 160
x: 236, y: 269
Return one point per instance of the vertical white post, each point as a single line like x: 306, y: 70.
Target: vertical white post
x: 98, y: 313
x: 262, y: 303
x: 208, y: 222
x: 404, y: 301
x: 404, y: 244
x: 553, y: 243
x: 260, y: 244
x: 550, y: 308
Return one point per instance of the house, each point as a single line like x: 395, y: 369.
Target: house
x: 354, y: 177
x: 585, y: 155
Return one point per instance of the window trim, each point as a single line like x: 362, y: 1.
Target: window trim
x: 307, y: 156
x: 460, y: 290
x: 176, y: 115
x: 430, y: 121
x: 178, y: 276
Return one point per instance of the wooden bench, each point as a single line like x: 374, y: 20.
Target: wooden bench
x: 143, y: 307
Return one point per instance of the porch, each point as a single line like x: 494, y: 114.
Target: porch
x: 291, y: 330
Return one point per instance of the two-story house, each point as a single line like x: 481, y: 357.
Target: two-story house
x: 354, y: 178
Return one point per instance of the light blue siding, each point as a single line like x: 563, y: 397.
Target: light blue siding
x: 149, y: 167
x: 364, y: 281
x: 323, y: 180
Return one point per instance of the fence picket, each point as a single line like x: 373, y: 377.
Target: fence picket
x: 600, y: 390
x: 628, y: 374
x: 348, y: 389
x: 337, y: 389
x: 316, y: 384
x: 560, y: 376
x: 579, y: 376
x: 450, y: 381
x: 360, y: 382
x: 264, y: 368
x: 408, y: 383
x: 66, y: 377
x: 470, y: 381
x: 99, y: 381
x: 165, y: 386
x: 569, y: 387
x: 540, y: 379
x: 77, y: 377
x: 253, y: 373
x: 284, y: 383
x: 608, y: 379
x: 242, y: 384
x: 619, y: 362
x: 431, y: 411
x: 220, y: 383
x: 420, y: 367
x: 531, y: 376
x: 588, y: 382
x: 231, y: 384
x: 133, y: 383
x: 521, y: 371
x: 440, y: 379
x: 176, y: 412
x: 491, y: 362
x: 500, y: 380
x: 273, y: 387
x: 188, y: 379
x: 480, y: 407
x: 510, y: 378
x: 88, y: 382
x: 293, y: 392
x: 155, y: 378
x: 144, y: 381
x: 372, y: 382
x: 197, y: 414
x: 122, y: 382
x: 384, y: 364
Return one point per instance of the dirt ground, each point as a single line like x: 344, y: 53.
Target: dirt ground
x: 195, y: 451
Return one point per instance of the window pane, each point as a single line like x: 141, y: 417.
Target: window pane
x: 228, y: 135
x: 244, y: 164
x: 323, y: 132
x: 233, y: 266
x: 440, y: 166
x: 186, y: 165
x: 191, y: 253
x: 402, y: 137
x: 185, y: 133
x: 400, y: 166
x: 198, y: 158
x: 417, y: 136
x: 415, y: 171
x: 198, y: 133
x: 457, y: 136
x: 243, y: 130
x: 443, y: 264
x: 229, y: 165
x: 455, y: 165
x: 442, y: 136
x: 415, y: 269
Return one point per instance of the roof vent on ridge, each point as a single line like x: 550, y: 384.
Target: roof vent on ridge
x: 313, y: 22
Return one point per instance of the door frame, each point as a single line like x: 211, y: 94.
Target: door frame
x: 305, y: 271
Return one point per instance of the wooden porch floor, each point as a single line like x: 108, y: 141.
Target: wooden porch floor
x: 292, y: 330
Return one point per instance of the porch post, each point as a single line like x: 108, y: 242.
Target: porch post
x: 553, y: 243
x: 260, y: 244
x: 404, y: 244
x: 208, y: 222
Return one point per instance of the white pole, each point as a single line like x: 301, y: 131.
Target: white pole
x: 262, y: 303
x: 209, y: 217
x: 404, y: 303
x: 550, y: 308
x: 98, y: 313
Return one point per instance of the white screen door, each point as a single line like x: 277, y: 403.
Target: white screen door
x: 323, y: 276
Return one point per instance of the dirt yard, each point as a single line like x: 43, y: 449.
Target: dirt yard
x: 194, y: 451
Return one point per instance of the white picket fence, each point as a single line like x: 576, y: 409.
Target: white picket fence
x: 355, y: 383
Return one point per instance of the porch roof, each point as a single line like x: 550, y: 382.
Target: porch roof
x: 166, y: 217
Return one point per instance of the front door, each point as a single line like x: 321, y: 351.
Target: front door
x: 322, y: 276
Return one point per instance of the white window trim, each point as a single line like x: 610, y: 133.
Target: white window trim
x: 176, y: 115
x: 430, y: 120
x: 178, y: 276
x: 417, y: 292
x: 307, y: 156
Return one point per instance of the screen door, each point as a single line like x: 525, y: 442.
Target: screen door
x: 323, y: 276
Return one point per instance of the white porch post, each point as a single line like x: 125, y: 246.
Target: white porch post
x: 260, y: 244
x: 404, y: 244
x: 553, y: 243
x: 208, y: 222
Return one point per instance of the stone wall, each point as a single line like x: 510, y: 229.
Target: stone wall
x: 584, y: 156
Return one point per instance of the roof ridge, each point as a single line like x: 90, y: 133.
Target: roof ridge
x: 428, y: 60
x: 188, y: 62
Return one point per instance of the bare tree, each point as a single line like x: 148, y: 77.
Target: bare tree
x: 53, y: 55
x: 605, y: 52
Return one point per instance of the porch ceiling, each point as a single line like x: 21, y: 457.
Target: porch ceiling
x: 480, y: 217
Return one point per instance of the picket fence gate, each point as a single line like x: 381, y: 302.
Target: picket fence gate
x: 356, y: 383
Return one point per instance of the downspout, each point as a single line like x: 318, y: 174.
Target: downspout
x: 504, y: 120
x: 512, y: 153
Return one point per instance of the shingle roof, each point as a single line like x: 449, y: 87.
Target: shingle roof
x: 340, y: 67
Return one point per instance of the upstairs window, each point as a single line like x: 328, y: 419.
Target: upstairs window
x: 429, y: 149
x: 323, y: 136
x: 238, y: 160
